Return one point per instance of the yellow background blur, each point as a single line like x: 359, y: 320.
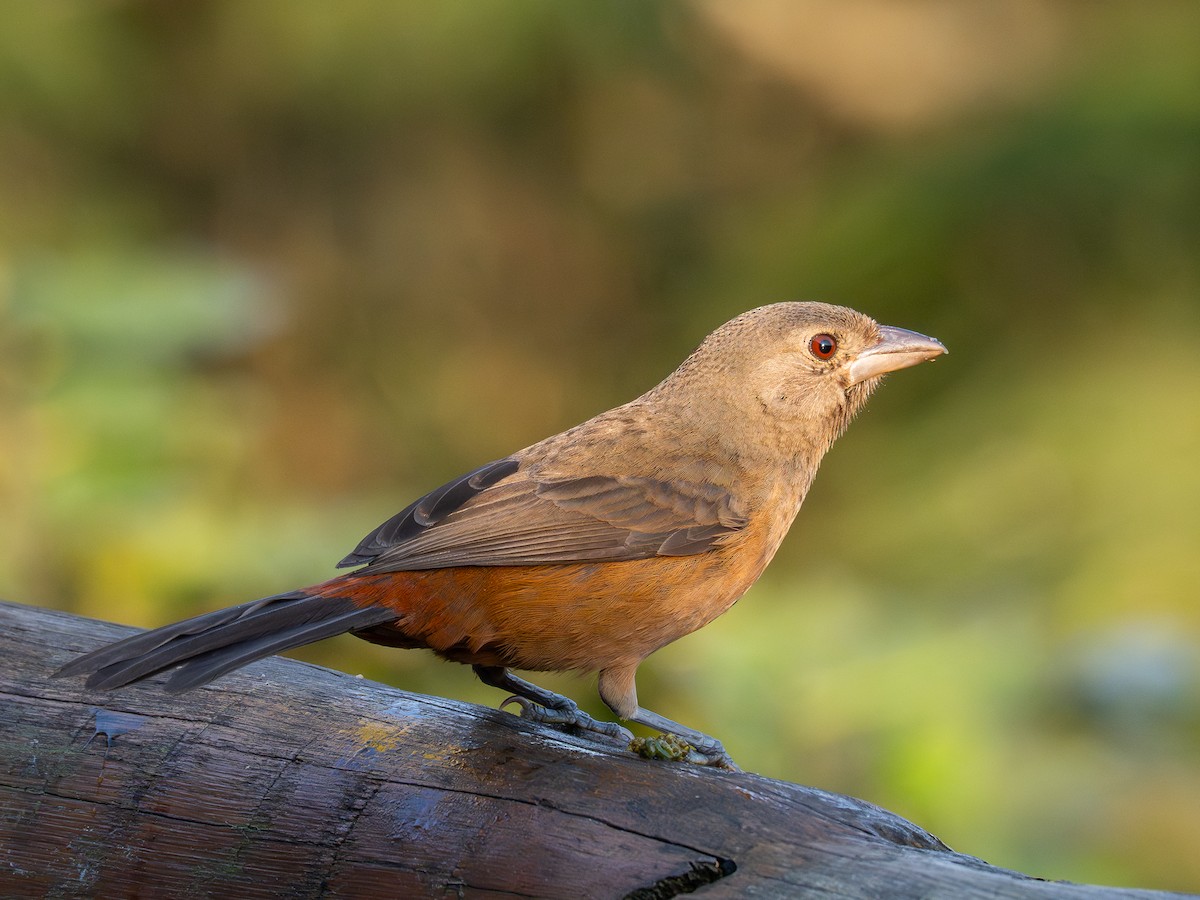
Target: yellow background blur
x: 269, y: 270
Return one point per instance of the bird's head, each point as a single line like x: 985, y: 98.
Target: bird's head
x: 803, y: 368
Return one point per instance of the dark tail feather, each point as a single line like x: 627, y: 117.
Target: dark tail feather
x: 210, y: 645
x: 215, y: 663
x: 163, y: 640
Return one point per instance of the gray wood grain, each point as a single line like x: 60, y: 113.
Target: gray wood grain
x: 289, y: 780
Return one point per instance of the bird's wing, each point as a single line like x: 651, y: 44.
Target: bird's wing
x: 501, y: 516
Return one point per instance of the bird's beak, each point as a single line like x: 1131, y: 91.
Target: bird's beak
x: 898, y: 348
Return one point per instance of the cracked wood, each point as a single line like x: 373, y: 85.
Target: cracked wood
x: 288, y: 779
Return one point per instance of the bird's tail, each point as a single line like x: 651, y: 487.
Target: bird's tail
x: 208, y: 646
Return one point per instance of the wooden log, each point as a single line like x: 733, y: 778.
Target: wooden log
x: 289, y: 780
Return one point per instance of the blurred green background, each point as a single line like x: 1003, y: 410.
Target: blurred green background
x: 269, y: 270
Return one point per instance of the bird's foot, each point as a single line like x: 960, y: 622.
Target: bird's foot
x: 674, y: 748
x: 568, y: 715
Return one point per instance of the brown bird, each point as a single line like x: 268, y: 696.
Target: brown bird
x: 591, y: 549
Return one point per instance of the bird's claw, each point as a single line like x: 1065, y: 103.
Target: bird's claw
x: 567, y: 716
x: 667, y: 746
x: 718, y: 760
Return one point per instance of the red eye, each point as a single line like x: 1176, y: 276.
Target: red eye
x: 823, y: 346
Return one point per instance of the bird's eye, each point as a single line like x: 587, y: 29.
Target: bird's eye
x: 823, y: 346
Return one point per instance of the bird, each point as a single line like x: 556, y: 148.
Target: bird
x: 591, y: 549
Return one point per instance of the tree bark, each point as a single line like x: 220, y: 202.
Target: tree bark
x: 289, y: 780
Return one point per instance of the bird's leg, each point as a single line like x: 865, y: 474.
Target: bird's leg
x: 540, y: 705
x: 617, y: 689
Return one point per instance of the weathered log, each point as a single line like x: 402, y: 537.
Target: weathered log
x: 287, y: 779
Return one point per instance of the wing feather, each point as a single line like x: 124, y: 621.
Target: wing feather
x: 501, y: 515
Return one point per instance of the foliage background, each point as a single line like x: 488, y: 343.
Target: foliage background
x: 268, y: 270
